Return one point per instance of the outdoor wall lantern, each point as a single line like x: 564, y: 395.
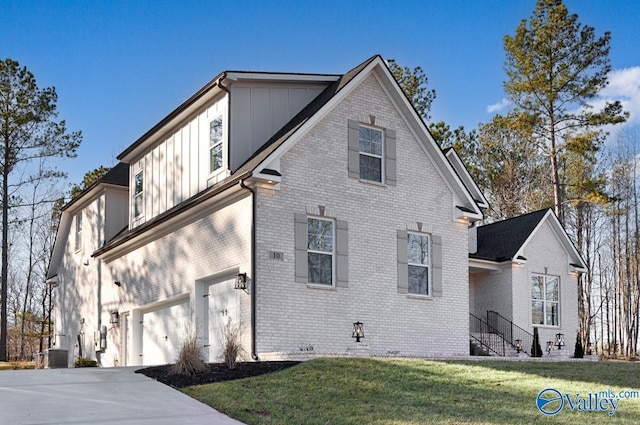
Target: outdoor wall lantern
x: 518, y: 345
x: 117, y: 283
x: 589, y: 348
x: 559, y: 341
x: 241, y: 281
x: 115, y: 318
x: 358, y: 331
x: 549, y: 347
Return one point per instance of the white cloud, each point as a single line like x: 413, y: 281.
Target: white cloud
x: 624, y: 85
x: 497, y: 107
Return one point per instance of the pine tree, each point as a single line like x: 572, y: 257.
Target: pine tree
x: 556, y: 67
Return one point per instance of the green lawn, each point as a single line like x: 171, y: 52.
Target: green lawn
x: 394, y: 392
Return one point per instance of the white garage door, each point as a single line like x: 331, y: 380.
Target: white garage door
x: 163, y: 331
x: 222, y: 304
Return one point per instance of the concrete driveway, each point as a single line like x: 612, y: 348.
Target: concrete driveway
x: 96, y: 396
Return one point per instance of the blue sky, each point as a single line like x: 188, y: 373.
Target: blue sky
x: 120, y: 67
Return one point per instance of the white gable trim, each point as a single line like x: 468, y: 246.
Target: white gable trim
x: 576, y: 263
x: 466, y: 178
x: 415, y: 124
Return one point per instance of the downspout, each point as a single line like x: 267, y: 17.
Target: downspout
x: 226, y: 90
x: 254, y: 351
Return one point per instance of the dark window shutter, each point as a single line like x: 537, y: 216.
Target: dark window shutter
x: 390, y: 157
x: 301, y: 241
x: 342, y: 252
x: 354, y: 149
x: 436, y: 265
x: 403, y: 269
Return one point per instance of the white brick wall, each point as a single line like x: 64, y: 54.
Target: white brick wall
x: 168, y: 266
x: 314, y: 171
x: 546, y: 253
x: 492, y: 290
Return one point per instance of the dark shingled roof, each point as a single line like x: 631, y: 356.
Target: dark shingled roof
x: 500, y: 241
x: 118, y: 175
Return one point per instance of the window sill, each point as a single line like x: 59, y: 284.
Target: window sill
x: 546, y: 326
x: 420, y: 297
x: 372, y: 183
x: 321, y: 287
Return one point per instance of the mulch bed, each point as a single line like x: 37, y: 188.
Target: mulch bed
x: 215, y: 372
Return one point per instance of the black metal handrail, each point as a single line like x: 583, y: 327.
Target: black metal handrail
x: 488, y: 337
x: 510, y: 331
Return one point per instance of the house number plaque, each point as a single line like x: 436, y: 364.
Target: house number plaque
x: 276, y: 255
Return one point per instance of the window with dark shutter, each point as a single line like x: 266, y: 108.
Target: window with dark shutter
x: 372, y: 153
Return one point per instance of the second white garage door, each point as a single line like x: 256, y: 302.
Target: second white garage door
x: 163, y: 331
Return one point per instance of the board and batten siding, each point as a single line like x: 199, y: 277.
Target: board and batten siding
x: 259, y: 110
x: 177, y: 168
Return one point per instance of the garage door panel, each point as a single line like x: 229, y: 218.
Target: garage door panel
x: 163, y: 331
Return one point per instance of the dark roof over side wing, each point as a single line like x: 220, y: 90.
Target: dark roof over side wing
x: 501, y: 241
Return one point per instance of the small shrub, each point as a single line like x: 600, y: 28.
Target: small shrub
x: 85, y: 362
x: 578, y: 352
x: 232, y: 348
x: 190, y: 359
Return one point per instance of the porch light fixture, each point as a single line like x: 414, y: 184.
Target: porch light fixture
x: 358, y: 331
x: 241, y: 281
x: 589, y: 348
x: 117, y: 283
x: 115, y: 318
x: 549, y: 347
x: 518, y: 345
x: 559, y: 341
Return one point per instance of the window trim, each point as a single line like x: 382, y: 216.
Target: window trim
x: 333, y: 253
x: 544, y: 300
x: 429, y: 266
x: 138, y: 195
x: 381, y: 156
x: 220, y: 143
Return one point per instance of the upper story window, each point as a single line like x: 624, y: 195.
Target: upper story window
x: 138, y: 194
x: 371, y: 154
x: 215, y: 144
x: 320, y: 250
x: 78, y: 238
x: 419, y: 263
x: 545, y: 300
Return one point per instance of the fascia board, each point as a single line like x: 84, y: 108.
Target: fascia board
x: 281, y: 77
x: 58, y: 246
x: 485, y: 264
x: 466, y: 177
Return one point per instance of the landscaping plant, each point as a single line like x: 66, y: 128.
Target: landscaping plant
x: 190, y: 358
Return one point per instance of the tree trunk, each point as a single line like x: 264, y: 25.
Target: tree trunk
x: 5, y: 251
